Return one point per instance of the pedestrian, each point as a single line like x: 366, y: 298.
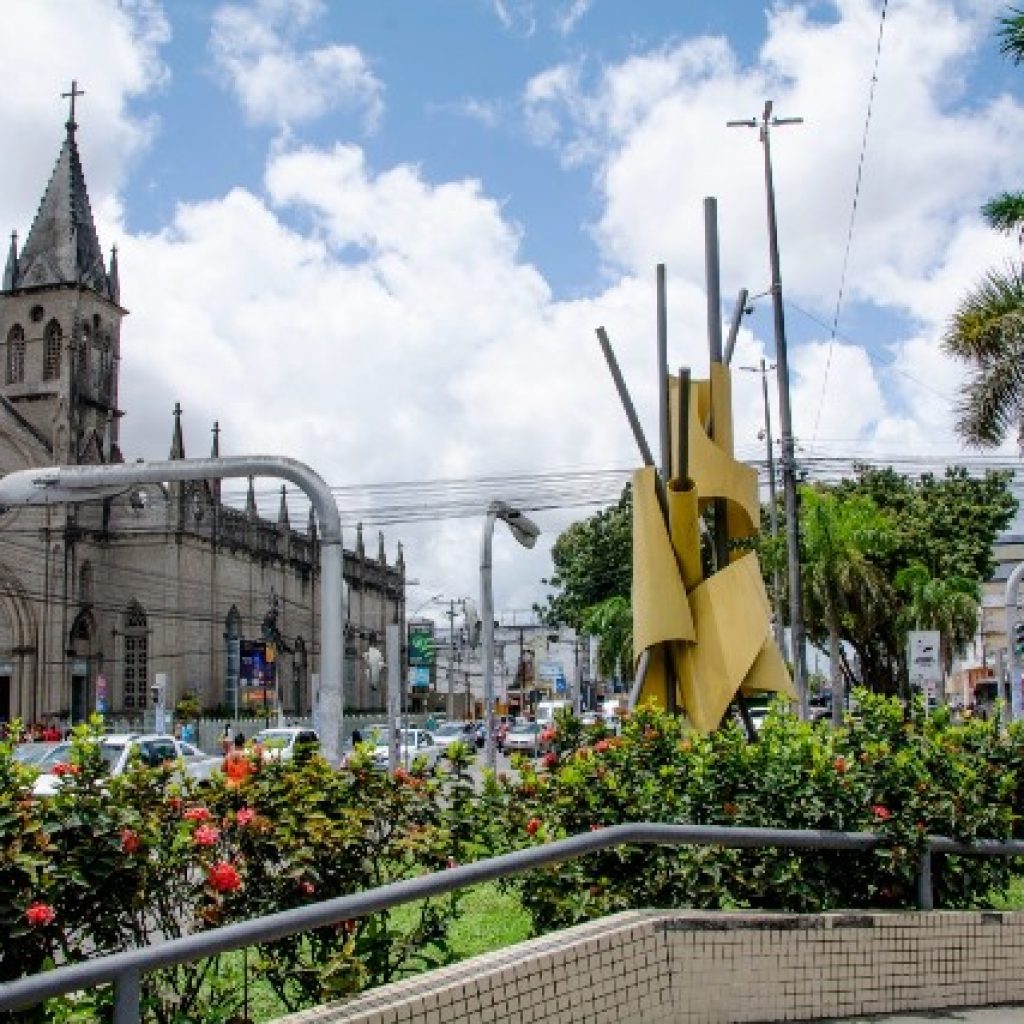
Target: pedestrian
x: 357, y: 737
x: 225, y: 739
x: 188, y: 732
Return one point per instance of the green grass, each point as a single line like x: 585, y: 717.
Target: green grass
x: 489, y: 919
x: 1012, y: 897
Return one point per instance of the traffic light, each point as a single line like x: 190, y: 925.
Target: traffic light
x: 1018, y: 638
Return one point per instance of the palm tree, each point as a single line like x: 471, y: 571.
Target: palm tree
x: 611, y: 621
x: 947, y: 605
x: 987, y: 328
x: 839, y: 536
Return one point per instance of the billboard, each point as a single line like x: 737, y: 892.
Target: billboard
x: 419, y: 677
x: 923, y: 659
x: 256, y: 673
x: 421, y: 643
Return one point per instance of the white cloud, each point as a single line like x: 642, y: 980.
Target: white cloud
x: 383, y: 326
x: 573, y: 13
x: 277, y: 83
x: 516, y: 16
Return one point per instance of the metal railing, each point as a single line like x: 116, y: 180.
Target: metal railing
x: 125, y: 969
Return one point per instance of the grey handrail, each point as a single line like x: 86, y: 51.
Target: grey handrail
x: 125, y: 969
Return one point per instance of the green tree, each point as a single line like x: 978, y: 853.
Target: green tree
x: 839, y: 537
x: 947, y: 605
x: 986, y: 330
x: 593, y: 562
x: 611, y: 621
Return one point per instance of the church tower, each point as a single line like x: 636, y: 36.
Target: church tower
x: 60, y: 322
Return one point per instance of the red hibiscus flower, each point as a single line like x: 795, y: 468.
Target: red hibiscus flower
x: 197, y: 814
x: 307, y: 888
x: 841, y: 765
x: 602, y: 745
x: 881, y: 812
x: 532, y: 826
x: 39, y: 915
x: 206, y: 835
x: 224, y: 877
x: 245, y: 816
x: 130, y: 842
x: 64, y: 768
x: 551, y: 760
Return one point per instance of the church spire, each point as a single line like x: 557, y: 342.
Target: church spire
x: 62, y: 246
x: 11, y: 270
x: 282, y: 515
x: 177, y: 441
x: 113, y: 278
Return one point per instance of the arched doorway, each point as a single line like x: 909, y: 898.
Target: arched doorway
x: 81, y: 665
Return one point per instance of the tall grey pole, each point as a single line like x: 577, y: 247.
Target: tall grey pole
x: 487, y: 637
x: 393, y: 655
x: 796, y: 616
x: 65, y: 484
x: 1013, y: 669
x: 712, y: 276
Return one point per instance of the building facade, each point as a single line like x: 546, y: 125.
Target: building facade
x: 98, y: 598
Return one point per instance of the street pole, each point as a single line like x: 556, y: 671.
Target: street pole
x: 773, y: 513
x: 796, y: 617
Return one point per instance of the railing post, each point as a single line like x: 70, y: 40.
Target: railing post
x: 925, y: 897
x: 127, y: 995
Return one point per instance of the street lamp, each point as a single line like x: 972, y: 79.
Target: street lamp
x: 526, y: 532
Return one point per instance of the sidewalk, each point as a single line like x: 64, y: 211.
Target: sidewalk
x: 986, y: 1015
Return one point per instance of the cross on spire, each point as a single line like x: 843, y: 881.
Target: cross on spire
x: 75, y: 91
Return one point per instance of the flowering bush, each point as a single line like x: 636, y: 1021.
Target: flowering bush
x: 902, y: 776
x: 110, y: 863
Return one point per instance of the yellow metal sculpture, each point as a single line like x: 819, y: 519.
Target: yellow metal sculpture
x: 705, y: 639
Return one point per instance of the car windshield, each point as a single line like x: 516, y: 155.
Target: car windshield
x: 32, y: 753
x: 61, y: 752
x: 274, y: 737
x: 528, y: 727
x: 110, y: 752
x: 450, y: 729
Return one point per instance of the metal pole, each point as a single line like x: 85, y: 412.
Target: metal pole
x: 773, y: 512
x: 734, y: 325
x: 790, y: 498
x: 451, y: 660
x: 127, y: 997
x: 1013, y: 673
x: 393, y: 655
x: 487, y: 621
x: 714, y: 321
x: 664, y: 427
x: 57, y: 485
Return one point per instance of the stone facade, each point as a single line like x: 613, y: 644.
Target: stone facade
x: 98, y: 598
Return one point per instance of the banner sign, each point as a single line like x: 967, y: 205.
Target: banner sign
x: 419, y: 677
x: 256, y: 672
x: 421, y: 643
x: 923, y: 659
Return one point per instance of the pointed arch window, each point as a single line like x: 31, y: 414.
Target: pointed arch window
x: 52, y: 338
x: 136, y: 657
x: 15, y: 354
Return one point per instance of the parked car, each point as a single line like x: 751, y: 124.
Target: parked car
x: 34, y: 753
x: 412, y: 745
x: 525, y: 738
x: 117, y: 750
x: 449, y: 732
x: 282, y: 743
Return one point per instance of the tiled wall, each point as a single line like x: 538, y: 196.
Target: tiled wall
x: 692, y: 967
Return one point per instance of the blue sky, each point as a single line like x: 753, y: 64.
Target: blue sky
x: 378, y: 236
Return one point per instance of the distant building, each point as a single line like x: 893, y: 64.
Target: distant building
x: 97, y: 598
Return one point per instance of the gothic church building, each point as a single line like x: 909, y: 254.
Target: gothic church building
x: 98, y: 598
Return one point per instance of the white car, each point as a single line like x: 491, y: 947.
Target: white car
x: 450, y: 732
x: 116, y: 749
x: 280, y: 744
x: 525, y: 738
x: 412, y: 744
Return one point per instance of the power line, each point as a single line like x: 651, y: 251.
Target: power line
x: 853, y: 215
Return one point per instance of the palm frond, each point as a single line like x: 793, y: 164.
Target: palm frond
x: 991, y: 403
x: 1006, y: 212
x: 1011, y: 35
x: 989, y: 318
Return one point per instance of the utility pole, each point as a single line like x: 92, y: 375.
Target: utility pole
x: 796, y: 616
x: 453, y: 603
x: 773, y: 514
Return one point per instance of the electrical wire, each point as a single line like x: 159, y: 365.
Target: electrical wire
x: 853, y: 215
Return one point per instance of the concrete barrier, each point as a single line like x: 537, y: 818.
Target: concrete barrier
x: 690, y: 967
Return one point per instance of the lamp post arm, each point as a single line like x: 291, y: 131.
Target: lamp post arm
x: 487, y: 633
